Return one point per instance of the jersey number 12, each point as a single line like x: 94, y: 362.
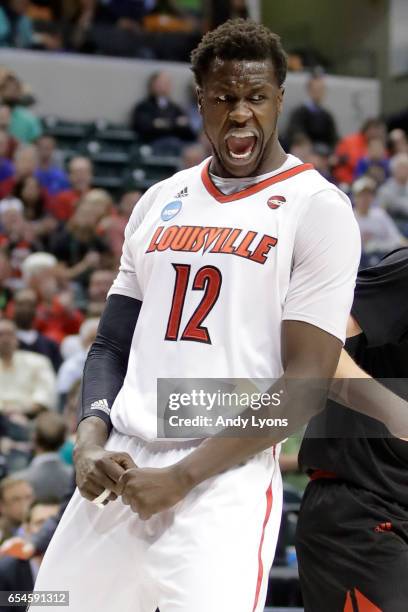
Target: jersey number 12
x: 207, y: 279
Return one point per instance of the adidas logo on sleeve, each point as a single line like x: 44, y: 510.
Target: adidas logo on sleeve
x: 182, y: 194
x: 101, y: 405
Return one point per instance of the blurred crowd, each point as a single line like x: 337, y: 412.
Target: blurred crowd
x: 61, y: 236
x: 370, y: 165
x: 149, y: 29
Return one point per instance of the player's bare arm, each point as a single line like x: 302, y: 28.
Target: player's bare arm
x: 310, y: 358
x: 357, y: 390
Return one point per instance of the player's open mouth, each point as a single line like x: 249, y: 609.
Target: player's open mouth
x: 240, y: 144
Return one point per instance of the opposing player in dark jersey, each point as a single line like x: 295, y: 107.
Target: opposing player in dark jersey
x: 352, y: 536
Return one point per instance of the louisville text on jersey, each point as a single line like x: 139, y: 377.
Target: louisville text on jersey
x: 232, y: 241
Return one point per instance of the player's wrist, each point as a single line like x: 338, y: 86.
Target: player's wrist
x: 189, y: 473
x: 92, y: 432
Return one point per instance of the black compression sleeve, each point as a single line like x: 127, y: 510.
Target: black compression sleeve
x: 106, y: 364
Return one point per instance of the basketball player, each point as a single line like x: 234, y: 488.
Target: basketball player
x: 354, y: 513
x: 241, y: 267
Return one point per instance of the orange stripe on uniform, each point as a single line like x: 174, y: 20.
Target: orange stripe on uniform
x: 282, y: 176
x: 269, y: 500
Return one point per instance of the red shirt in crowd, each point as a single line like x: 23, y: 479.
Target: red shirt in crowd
x: 349, y: 150
x: 62, y: 206
x: 56, y: 322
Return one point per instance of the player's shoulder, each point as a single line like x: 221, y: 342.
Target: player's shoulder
x: 315, y: 188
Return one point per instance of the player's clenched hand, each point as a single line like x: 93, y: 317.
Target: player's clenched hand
x: 98, y: 469
x: 151, y: 490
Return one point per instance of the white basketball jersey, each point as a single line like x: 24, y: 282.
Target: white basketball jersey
x: 218, y: 273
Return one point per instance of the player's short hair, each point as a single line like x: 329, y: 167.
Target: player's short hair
x: 239, y: 39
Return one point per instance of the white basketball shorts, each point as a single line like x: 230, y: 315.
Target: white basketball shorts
x: 210, y: 553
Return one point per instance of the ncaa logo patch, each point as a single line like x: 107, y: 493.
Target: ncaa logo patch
x: 276, y: 201
x: 171, y: 210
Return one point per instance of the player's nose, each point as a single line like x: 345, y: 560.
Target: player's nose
x: 240, y: 113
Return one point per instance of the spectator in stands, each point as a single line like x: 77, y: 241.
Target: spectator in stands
x: 49, y: 174
x: 16, y: 496
x: 47, y: 473
x: 79, y: 26
x: 78, y: 246
x: 375, y: 164
x: 5, y: 291
x: 40, y: 274
x: 25, y: 164
x: 321, y: 159
x: 353, y: 147
x: 28, y: 190
x: 71, y: 370
x: 17, y: 238
x: 16, y: 29
x: 379, y: 234
x: 60, y: 317
x: 99, y: 284
x: 393, y: 195
x: 16, y: 574
x: 302, y: 148
x: 35, y: 201
x: 30, y: 339
x: 100, y: 204
x: 24, y: 125
x: 159, y: 120
x: 57, y: 315
x: 112, y: 227
x: 64, y: 203
x: 35, y: 543
x: 193, y: 155
x: 27, y: 380
x: 311, y: 118
x: 397, y: 141
x: 6, y: 166
x: 5, y: 120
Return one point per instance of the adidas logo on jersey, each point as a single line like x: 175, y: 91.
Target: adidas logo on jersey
x: 101, y: 405
x: 183, y: 193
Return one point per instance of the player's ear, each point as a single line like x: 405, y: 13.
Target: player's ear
x: 199, y: 93
x: 280, y: 99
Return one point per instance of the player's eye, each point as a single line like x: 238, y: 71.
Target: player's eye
x: 257, y: 98
x: 223, y: 98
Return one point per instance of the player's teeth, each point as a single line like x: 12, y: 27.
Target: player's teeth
x: 242, y: 134
x: 243, y: 156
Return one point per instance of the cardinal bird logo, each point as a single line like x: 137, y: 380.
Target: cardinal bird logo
x: 276, y: 201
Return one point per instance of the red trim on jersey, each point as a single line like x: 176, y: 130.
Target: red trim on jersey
x: 218, y: 195
x: 269, y: 500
